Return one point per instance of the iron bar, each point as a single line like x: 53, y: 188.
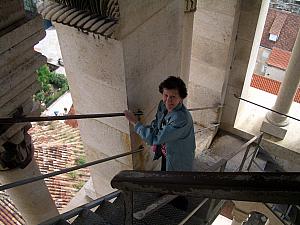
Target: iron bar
x: 66, y: 170
x: 270, y: 187
x: 272, y: 110
x: 10, y: 120
x: 242, y: 147
x: 74, y: 212
x: 193, y: 212
x: 255, y: 152
x: 244, y: 158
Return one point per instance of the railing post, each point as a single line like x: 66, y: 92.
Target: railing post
x: 244, y: 158
x: 222, y: 168
x: 128, y: 204
x: 255, y: 152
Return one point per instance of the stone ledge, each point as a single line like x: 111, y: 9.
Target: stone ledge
x: 13, y: 82
x: 26, y: 45
x: 21, y: 33
x: 17, y: 101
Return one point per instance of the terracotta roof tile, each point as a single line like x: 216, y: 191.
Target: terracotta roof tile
x: 288, y: 31
x: 278, y: 23
x: 279, y: 58
x: 57, y: 146
x: 269, y: 85
x: 9, y: 215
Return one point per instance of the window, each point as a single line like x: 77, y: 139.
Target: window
x: 273, y: 37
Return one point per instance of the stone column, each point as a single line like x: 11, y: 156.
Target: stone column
x: 284, y: 100
x: 150, y: 42
x: 20, y: 31
x: 32, y: 200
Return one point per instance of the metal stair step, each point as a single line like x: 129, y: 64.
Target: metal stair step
x: 171, y: 212
x: 157, y: 219
x: 87, y: 217
x: 112, y: 212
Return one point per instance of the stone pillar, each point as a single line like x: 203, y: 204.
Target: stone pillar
x: 20, y: 31
x: 238, y: 216
x: 156, y: 44
x: 284, y: 100
x: 214, y: 34
x: 32, y: 200
x: 123, y: 70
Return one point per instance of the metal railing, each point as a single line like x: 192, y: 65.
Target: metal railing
x: 221, y: 164
x: 10, y: 120
x: 252, y: 186
x: 272, y: 110
x: 66, y: 170
x: 76, y: 211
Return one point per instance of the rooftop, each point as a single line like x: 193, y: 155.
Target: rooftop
x: 279, y: 58
x: 285, y: 25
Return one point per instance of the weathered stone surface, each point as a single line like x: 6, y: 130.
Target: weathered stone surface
x: 10, y: 11
x: 19, y: 78
x: 27, y: 45
x: 17, y: 101
x: 105, y: 139
x: 14, y: 63
x: 213, y: 38
x: 226, y: 7
x: 22, y: 32
x: 99, y: 76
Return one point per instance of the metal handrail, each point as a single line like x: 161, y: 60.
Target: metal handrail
x: 272, y: 110
x: 76, y: 211
x: 253, y: 186
x: 224, y: 161
x: 66, y: 170
x: 10, y: 120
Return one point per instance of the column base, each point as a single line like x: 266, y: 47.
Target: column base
x: 277, y: 120
x: 273, y: 130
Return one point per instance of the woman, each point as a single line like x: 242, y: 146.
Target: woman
x: 172, y: 131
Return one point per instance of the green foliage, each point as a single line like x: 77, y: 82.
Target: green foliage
x: 53, y: 85
x: 80, y: 161
x: 79, y: 185
x: 73, y: 175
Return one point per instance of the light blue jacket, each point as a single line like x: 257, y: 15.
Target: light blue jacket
x: 177, y: 133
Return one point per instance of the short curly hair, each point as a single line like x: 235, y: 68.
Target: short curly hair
x: 174, y: 83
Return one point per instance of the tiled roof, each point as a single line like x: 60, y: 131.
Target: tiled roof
x: 269, y: 85
x: 279, y: 58
x: 9, y: 215
x: 57, y: 146
x: 288, y: 32
x: 278, y: 24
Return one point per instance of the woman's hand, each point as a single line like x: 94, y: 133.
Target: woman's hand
x: 131, y: 117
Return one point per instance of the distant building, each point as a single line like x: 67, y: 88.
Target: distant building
x: 279, y: 35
